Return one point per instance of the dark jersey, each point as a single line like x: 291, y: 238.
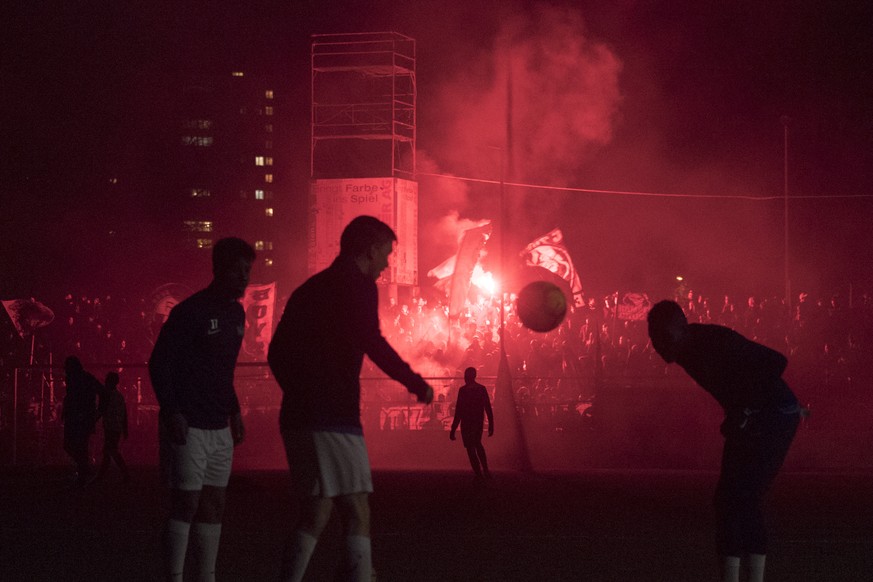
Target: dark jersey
x: 316, y: 354
x: 472, y: 407
x: 739, y: 373
x: 193, y: 361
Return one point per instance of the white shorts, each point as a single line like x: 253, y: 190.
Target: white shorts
x: 327, y: 464
x: 204, y: 459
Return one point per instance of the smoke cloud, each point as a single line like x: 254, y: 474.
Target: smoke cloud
x: 526, y: 109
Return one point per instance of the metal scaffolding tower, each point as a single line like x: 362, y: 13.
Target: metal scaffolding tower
x: 363, y: 106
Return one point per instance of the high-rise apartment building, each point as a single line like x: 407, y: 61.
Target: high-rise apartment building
x: 225, y: 169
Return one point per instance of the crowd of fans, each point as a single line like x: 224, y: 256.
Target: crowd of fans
x: 829, y: 341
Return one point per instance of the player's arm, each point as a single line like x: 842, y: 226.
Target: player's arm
x: 173, y: 339
x: 457, y: 419
x: 237, y: 427
x: 279, y: 354
x: 365, y: 331
x: 102, y: 400
x: 489, y: 413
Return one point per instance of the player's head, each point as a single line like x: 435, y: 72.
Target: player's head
x: 368, y: 241
x: 667, y: 328
x: 232, y: 260
x: 470, y: 374
x: 73, y: 366
x: 111, y: 380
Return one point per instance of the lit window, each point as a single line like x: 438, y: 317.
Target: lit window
x: 198, y: 225
x: 268, y: 178
x: 269, y: 212
x: 259, y: 160
x: 268, y: 262
x: 268, y: 145
x: 268, y: 110
x: 204, y: 243
x: 259, y: 245
x: 268, y: 94
x: 200, y: 193
x: 268, y: 161
x: 238, y: 74
x: 259, y: 194
x: 268, y: 128
x: 268, y: 246
x: 197, y: 140
x: 197, y: 124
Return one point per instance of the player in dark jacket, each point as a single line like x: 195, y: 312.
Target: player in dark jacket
x: 316, y: 354
x: 191, y: 368
x: 761, y: 418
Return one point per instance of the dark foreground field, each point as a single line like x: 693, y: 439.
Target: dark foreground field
x: 597, y: 525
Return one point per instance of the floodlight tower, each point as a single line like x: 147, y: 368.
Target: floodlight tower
x: 362, y: 154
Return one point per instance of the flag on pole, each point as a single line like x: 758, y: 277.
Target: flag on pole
x: 28, y: 315
x: 505, y: 407
x: 472, y: 243
x: 549, y: 252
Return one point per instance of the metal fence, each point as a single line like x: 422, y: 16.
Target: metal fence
x: 32, y: 427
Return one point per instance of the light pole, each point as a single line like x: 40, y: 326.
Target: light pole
x: 785, y: 120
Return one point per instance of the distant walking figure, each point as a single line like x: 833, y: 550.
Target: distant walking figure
x: 79, y: 415
x: 472, y: 406
x: 761, y: 417
x: 113, y: 411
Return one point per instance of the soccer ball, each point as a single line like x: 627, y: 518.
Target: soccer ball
x: 541, y: 306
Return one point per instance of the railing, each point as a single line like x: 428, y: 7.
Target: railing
x: 32, y: 429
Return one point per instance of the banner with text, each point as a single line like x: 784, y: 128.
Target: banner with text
x: 334, y: 203
x: 259, y: 303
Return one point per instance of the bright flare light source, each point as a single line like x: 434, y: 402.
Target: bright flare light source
x: 484, y: 281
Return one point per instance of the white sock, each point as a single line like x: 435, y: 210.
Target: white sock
x: 359, y: 562
x: 206, y: 537
x: 731, y: 569
x: 175, y: 546
x: 300, y: 549
x: 756, y: 567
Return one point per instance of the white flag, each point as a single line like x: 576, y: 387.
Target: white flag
x: 549, y: 252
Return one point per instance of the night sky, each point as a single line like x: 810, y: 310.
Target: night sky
x: 669, y: 97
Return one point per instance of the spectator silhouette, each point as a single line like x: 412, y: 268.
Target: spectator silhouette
x: 113, y: 411
x: 80, y: 416
x: 472, y: 406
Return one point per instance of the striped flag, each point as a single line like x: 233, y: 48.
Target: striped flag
x: 259, y: 303
x: 549, y: 252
